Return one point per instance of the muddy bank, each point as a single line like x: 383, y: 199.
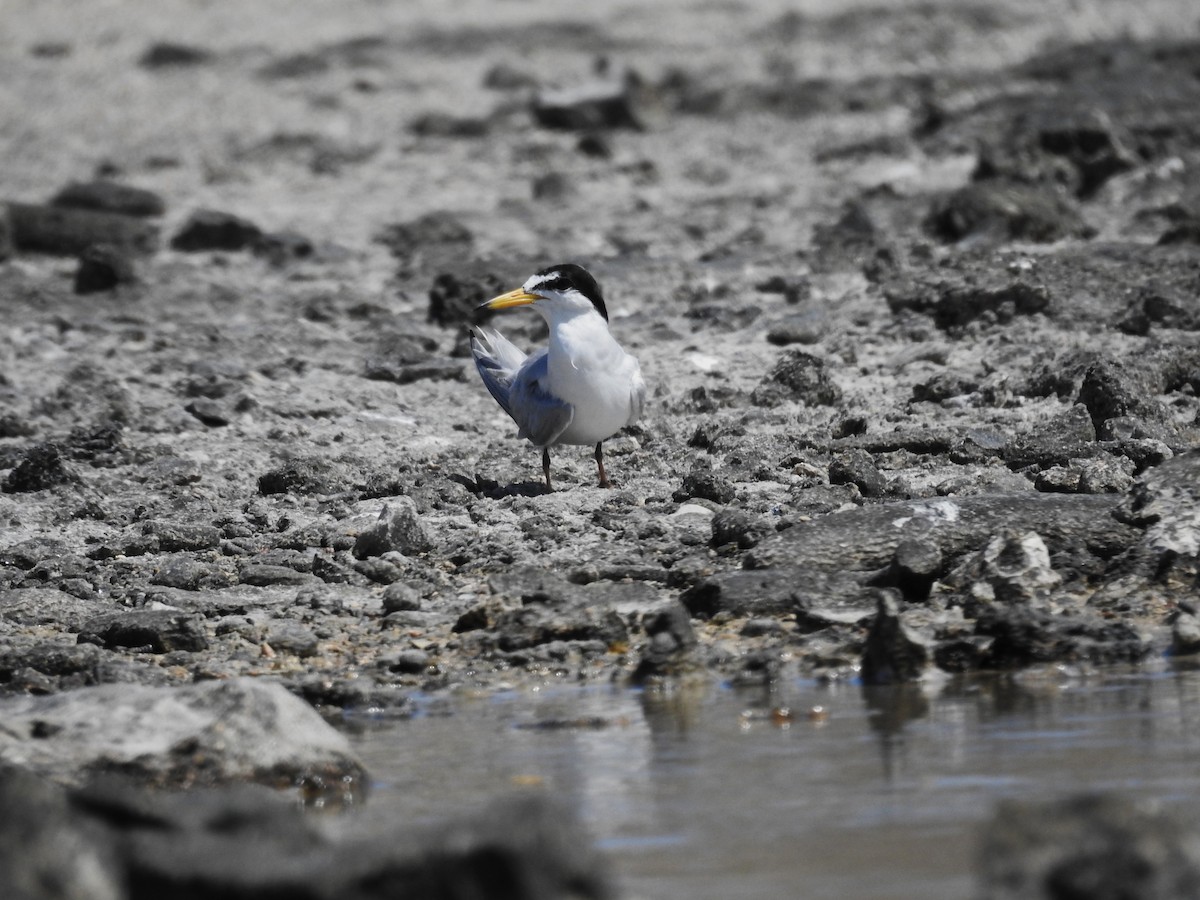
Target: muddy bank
x: 914, y: 289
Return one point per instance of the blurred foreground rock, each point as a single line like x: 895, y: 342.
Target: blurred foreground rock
x: 1101, y: 847
x: 112, y: 839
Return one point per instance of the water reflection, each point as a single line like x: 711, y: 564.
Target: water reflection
x: 881, y: 797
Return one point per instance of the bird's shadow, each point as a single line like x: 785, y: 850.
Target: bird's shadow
x: 481, y: 486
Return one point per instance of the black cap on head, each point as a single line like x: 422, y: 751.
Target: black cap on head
x: 565, y: 276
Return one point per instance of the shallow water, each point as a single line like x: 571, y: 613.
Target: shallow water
x: 704, y: 795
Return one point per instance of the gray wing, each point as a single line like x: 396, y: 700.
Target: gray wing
x: 541, y: 416
x: 497, y: 360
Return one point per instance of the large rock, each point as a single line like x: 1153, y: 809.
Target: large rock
x: 113, y: 839
x: 212, y: 732
x: 867, y: 538
x: 1096, y: 846
x: 46, y: 852
x: 894, y: 652
x: 399, y: 530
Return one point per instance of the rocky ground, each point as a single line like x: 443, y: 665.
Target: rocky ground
x: 916, y: 290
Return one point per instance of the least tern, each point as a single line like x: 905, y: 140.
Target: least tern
x: 582, y: 388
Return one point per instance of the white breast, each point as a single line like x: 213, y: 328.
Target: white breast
x: 590, y: 370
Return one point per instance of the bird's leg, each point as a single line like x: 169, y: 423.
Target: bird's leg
x: 546, y: 468
x: 604, y: 482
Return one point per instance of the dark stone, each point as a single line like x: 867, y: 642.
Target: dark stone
x: 302, y: 476
x: 595, y: 145
x: 7, y: 246
x: 295, y: 65
x: 914, y: 567
x: 1163, y: 506
x: 858, y: 468
x: 442, y: 124
x: 172, y: 537
x: 1112, y: 389
x: 50, y: 49
x: 742, y: 593
x: 596, y: 106
x: 54, y: 660
x: 576, y: 620
x: 260, y: 575
x: 793, y: 289
x: 797, y: 376
x: 1093, y: 143
x: 807, y: 329
x: 407, y: 373
x: 44, y: 606
x: 41, y: 468
x: 397, y: 350
x: 550, y: 187
x: 208, y: 229
x: 712, y: 311
x: 103, y: 268
x: 110, y: 196
x: 152, y: 630
x: 28, y: 553
x: 474, y: 619
x: 1022, y: 637
x: 1067, y: 436
x: 670, y: 644
x: 410, y: 662
x: 1093, y: 845
x: 11, y: 426
x: 332, y: 571
x: 282, y: 247
x: 893, y: 652
x: 64, y: 231
x: 213, y: 413
x: 231, y: 842
x: 455, y: 297
x: 46, y: 851
x: 1152, y: 307
x: 957, y: 306
x: 554, y: 610
x: 1006, y: 211
x: 292, y: 638
x: 167, y: 54
x: 1074, y: 527
x: 735, y: 526
x: 944, y: 386
x: 97, y: 444
x: 189, y: 574
x: 1186, y: 232
x: 399, y: 596
x: 381, y: 571
x: 506, y: 76
x: 399, y: 529
x: 850, y: 243
x: 354, y: 693
x: 705, y: 485
x: 434, y: 239
x: 1101, y: 474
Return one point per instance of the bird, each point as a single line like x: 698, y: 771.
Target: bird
x: 582, y: 387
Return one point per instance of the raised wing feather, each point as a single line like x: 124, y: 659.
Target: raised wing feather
x: 497, y: 359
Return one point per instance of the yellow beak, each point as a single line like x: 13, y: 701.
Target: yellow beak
x: 519, y: 297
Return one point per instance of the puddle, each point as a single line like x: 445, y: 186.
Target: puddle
x: 710, y: 795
